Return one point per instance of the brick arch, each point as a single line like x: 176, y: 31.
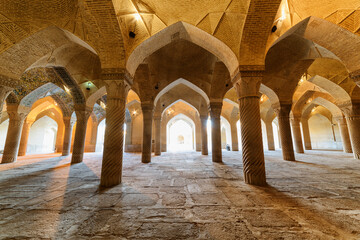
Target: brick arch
x: 188, y: 32
x: 179, y: 100
x: 186, y: 83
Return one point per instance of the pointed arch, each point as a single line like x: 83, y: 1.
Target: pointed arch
x: 188, y: 32
x: 177, y: 101
x: 185, y: 82
x: 338, y: 93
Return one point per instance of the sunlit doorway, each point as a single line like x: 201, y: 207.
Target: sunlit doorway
x: 181, y: 134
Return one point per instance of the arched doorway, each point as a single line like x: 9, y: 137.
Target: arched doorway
x: 3, y: 132
x: 180, y: 134
x: 42, y: 136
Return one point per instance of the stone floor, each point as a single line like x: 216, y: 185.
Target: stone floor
x: 181, y: 196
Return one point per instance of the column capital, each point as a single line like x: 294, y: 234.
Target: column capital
x: 215, y: 109
x: 69, y: 121
x: 16, y: 112
x: 283, y: 109
x: 115, y: 74
x: 157, y: 118
x: 204, y: 117
x: 82, y: 112
x: 295, y: 120
x: 147, y: 107
x: 117, y: 89
x: 247, y: 83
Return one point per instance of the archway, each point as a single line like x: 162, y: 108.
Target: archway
x: 100, y: 137
x: 180, y: 134
x: 323, y: 133
x: 42, y: 136
x: 3, y: 132
x: 225, y: 133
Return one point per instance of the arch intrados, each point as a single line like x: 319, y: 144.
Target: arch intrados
x: 188, y: 32
x: 186, y: 83
x: 272, y: 96
x: 132, y: 103
x: 225, y: 120
x: 338, y: 93
x: 181, y: 116
x: 45, y: 106
x: 39, y: 44
x: 37, y: 94
x: 177, y: 101
x: 231, y: 102
x: 56, y: 117
x: 344, y: 44
x: 335, y: 110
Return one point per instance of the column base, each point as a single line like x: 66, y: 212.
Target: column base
x: 6, y: 159
x: 145, y: 158
x: 77, y: 158
x: 217, y: 158
x: 255, y: 180
x: 111, y: 182
x: 157, y: 154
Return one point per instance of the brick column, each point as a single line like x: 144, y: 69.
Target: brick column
x: 344, y: 132
x: 295, y: 125
x: 92, y: 145
x: 353, y: 122
x: 234, y: 137
x: 247, y: 87
x: 82, y: 116
x: 12, y: 142
x: 148, y: 111
x: 25, y: 136
x: 306, y: 134
x: 270, y: 136
x: 68, y: 123
x: 163, y: 135
x: 215, y: 113
x: 285, y: 132
x: 204, y: 135
x: 157, y: 121
x: 111, y: 171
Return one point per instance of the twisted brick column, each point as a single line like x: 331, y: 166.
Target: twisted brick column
x: 234, y: 137
x: 344, y: 132
x: 215, y: 112
x: 69, y: 123
x: 306, y: 134
x: 270, y: 136
x: 24, y: 137
x: 82, y: 116
x: 247, y: 88
x: 285, y: 132
x: 204, y: 135
x: 111, y: 170
x: 13, y: 135
x: 147, y: 110
x: 295, y: 125
x: 157, y: 121
x: 353, y: 122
